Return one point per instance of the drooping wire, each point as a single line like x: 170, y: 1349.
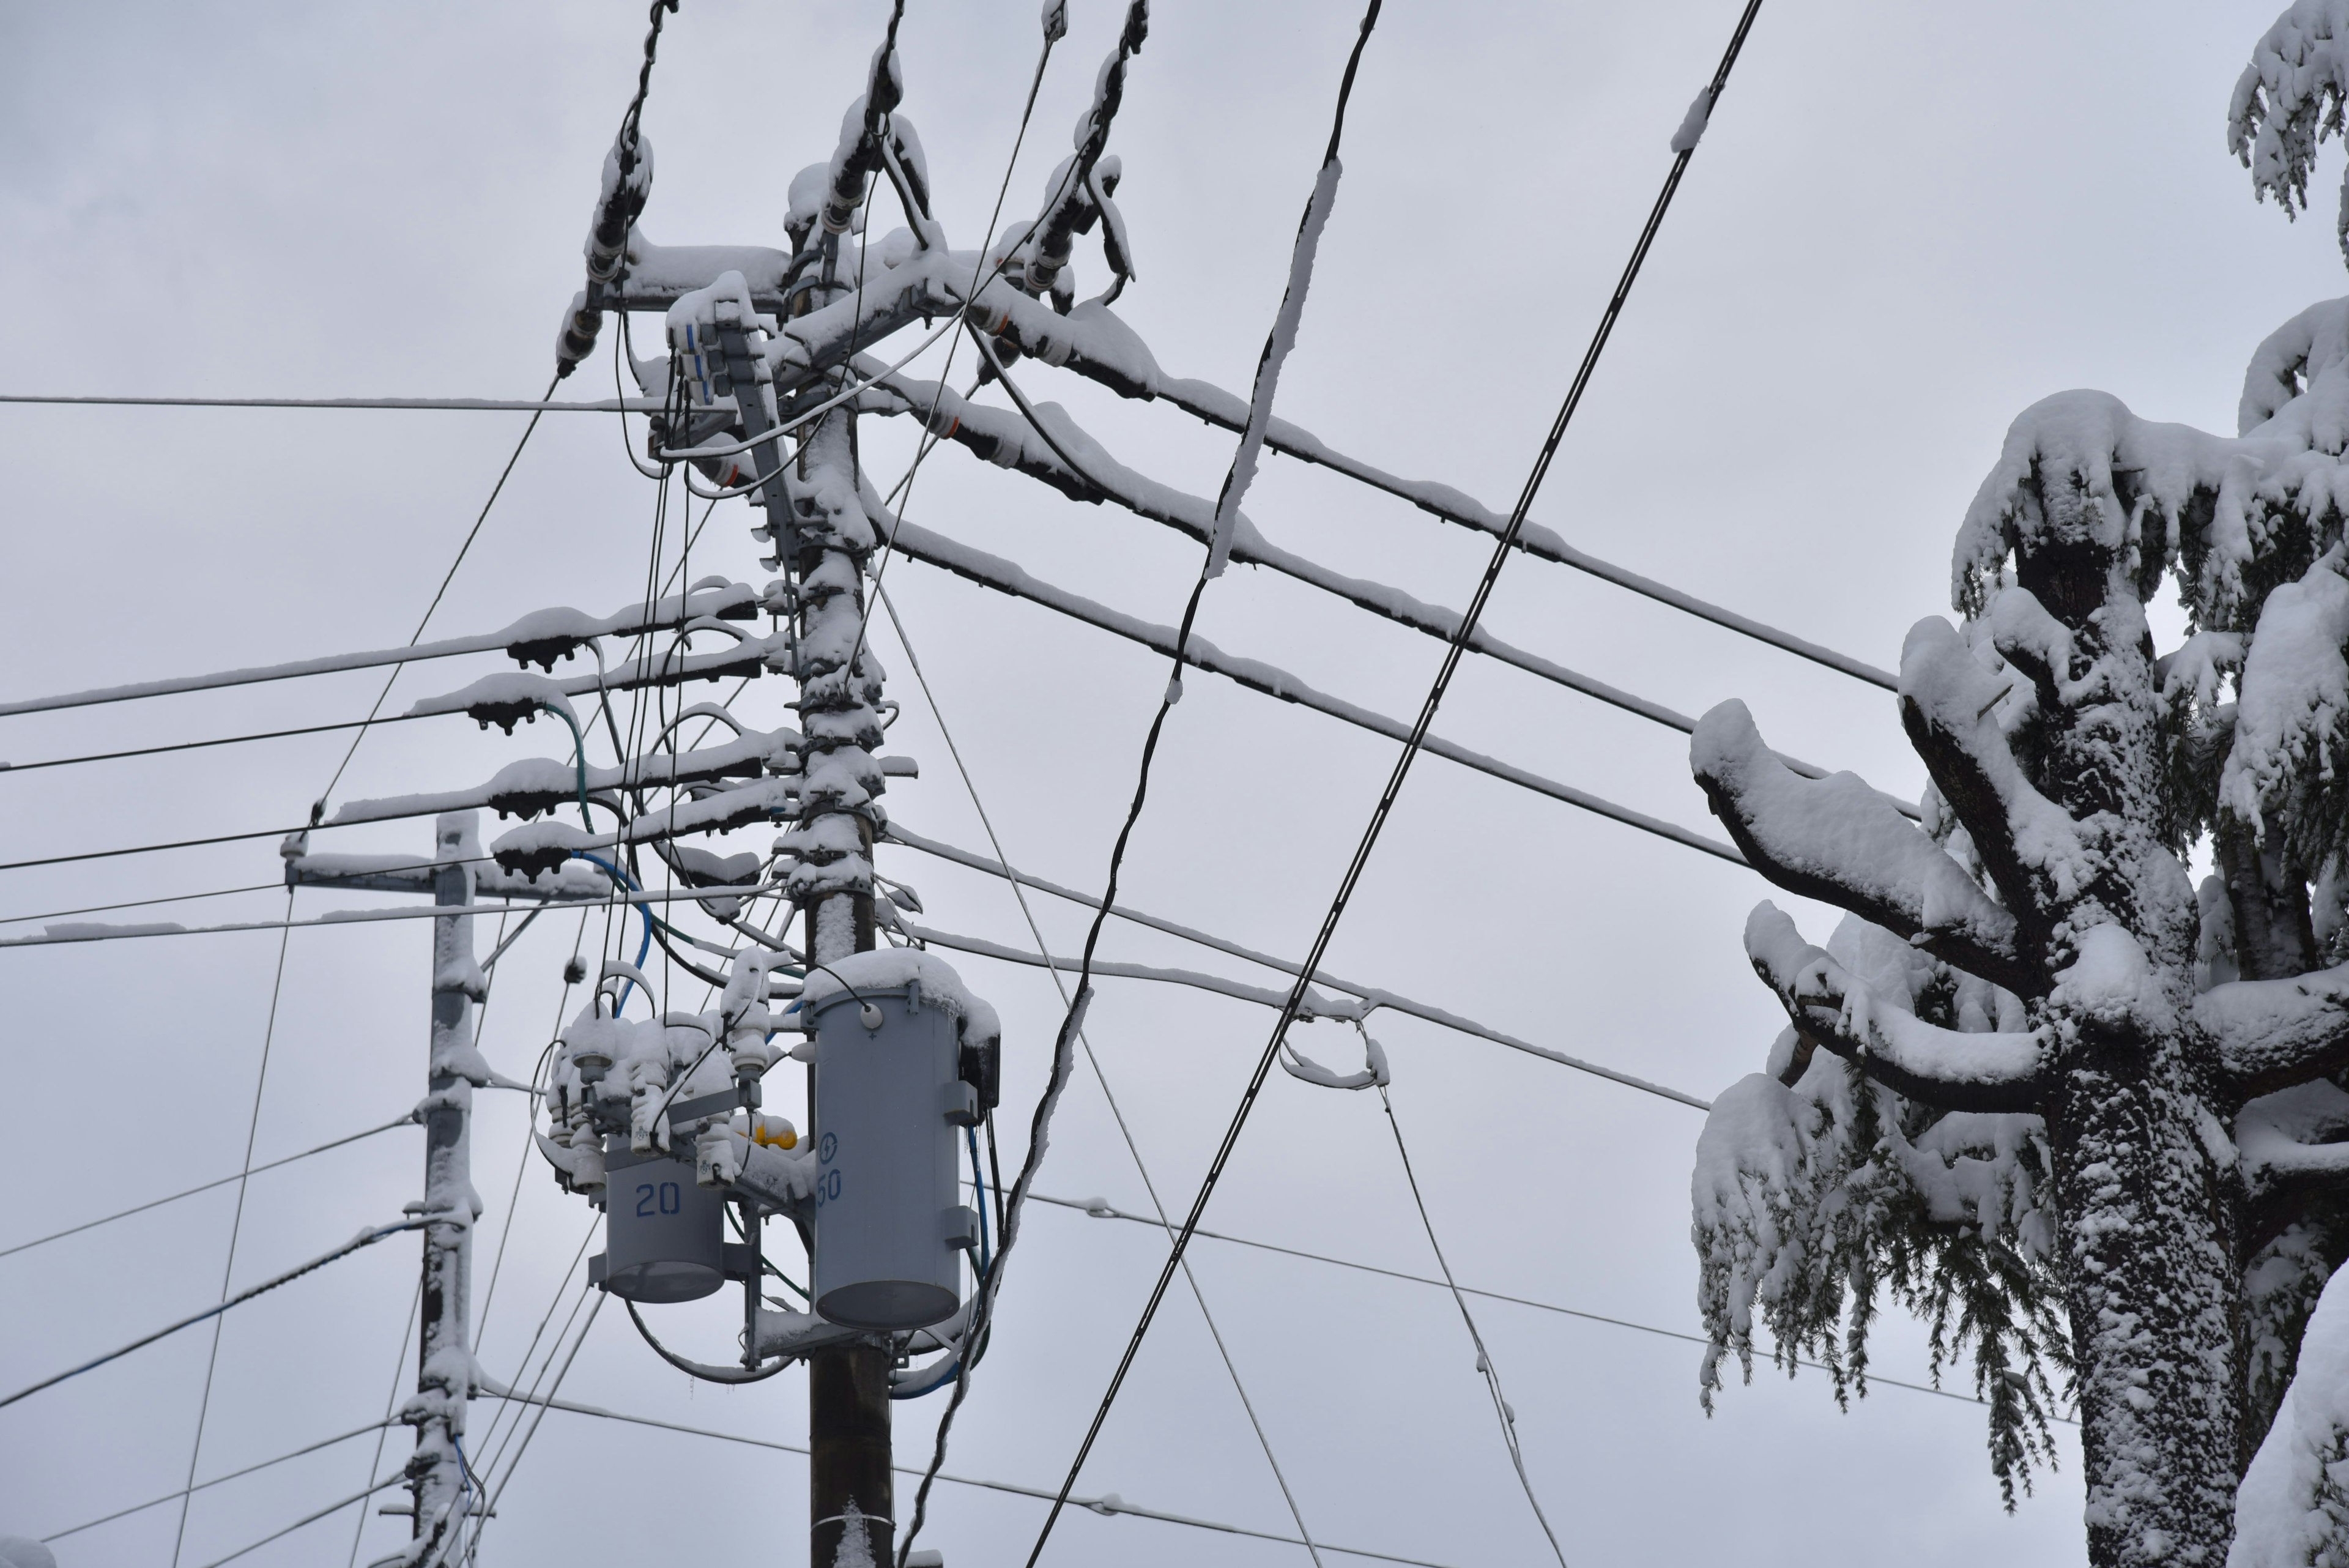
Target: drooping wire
x: 375, y: 1427
x: 199, y: 745
x: 1492, y: 1374
x: 390, y: 1403
x: 235, y: 1228
x: 1117, y: 1113
x: 1369, y: 839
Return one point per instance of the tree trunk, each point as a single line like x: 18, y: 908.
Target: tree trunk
x: 2154, y: 1293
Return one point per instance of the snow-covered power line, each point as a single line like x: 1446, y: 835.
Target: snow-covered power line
x: 1684, y: 147
x: 993, y: 571
x: 1110, y: 1505
x: 540, y: 638
x: 461, y: 405
x: 1376, y: 996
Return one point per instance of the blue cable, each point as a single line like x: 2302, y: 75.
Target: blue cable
x: 644, y: 947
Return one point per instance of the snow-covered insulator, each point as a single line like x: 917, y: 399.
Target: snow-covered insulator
x: 890, y: 1229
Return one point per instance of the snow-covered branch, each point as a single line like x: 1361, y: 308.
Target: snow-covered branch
x: 1838, y: 840
x: 2027, y: 843
x: 2286, y: 1140
x: 2274, y: 1033
x: 2289, y: 97
x: 1946, y: 1068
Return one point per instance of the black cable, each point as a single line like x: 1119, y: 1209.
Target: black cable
x: 150, y: 848
x: 1379, y: 814
x: 198, y: 746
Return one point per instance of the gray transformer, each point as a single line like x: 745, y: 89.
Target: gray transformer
x: 664, y: 1237
x: 890, y: 1226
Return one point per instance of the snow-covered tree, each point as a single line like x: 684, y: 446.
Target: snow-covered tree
x: 2088, y: 1120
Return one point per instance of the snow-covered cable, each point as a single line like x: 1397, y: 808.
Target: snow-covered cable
x: 1491, y: 1375
x: 248, y: 1172
x: 1411, y: 747
x: 1005, y: 577
x: 1375, y: 997
x: 808, y: 416
x: 1044, y: 956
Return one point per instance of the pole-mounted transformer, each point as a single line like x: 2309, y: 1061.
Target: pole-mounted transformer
x: 892, y: 1099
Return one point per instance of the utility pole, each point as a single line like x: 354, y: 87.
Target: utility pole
x: 441, y: 1496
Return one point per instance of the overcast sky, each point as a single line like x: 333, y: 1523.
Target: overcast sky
x: 1905, y: 224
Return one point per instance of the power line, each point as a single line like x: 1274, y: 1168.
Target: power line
x: 1380, y: 812
x: 249, y: 1171
x: 1108, y: 1506
x: 333, y: 1507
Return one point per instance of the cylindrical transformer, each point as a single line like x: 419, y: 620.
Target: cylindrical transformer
x: 664, y: 1237
x: 890, y: 1226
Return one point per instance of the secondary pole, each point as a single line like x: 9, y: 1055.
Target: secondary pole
x: 444, y: 1368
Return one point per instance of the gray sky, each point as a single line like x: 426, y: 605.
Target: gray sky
x: 1905, y: 224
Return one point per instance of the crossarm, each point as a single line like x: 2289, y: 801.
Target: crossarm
x: 1940, y: 1067
x: 1838, y: 840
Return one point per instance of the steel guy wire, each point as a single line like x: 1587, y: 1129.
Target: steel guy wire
x: 246, y: 1174
x: 390, y: 1403
x: 970, y: 787
x: 376, y: 1426
x: 318, y: 809
x: 1468, y: 620
x: 236, y: 1225
x: 1492, y: 1374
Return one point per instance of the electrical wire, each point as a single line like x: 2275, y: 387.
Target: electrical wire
x: 1380, y: 812
x: 236, y: 1227
x: 333, y: 1507
x: 199, y: 745
x: 1492, y: 1374
x: 244, y: 1175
